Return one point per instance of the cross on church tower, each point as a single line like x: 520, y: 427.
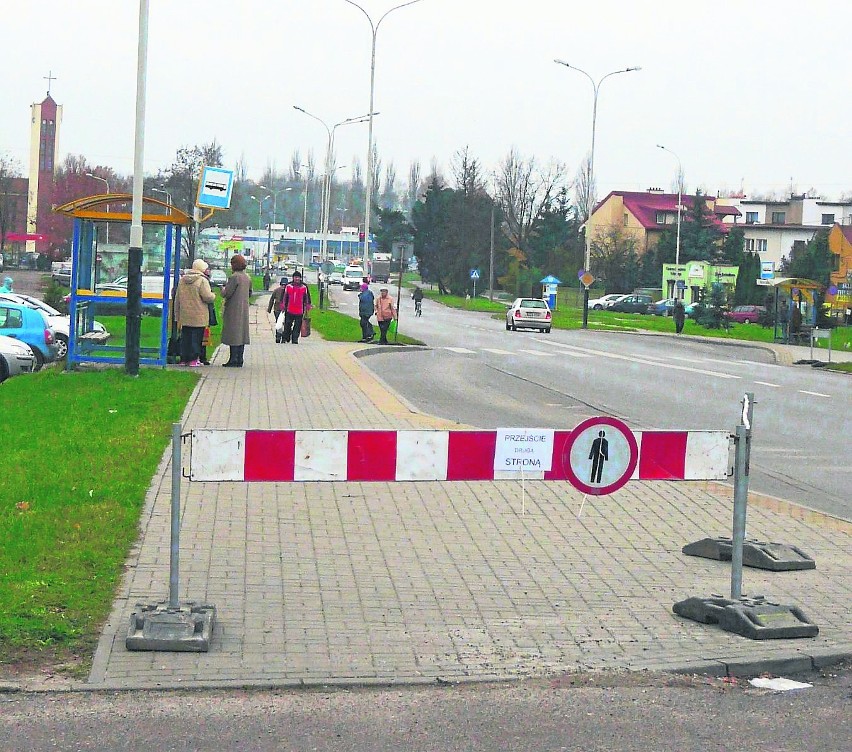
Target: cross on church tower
x: 49, y: 78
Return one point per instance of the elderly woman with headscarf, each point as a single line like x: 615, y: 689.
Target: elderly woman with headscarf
x: 235, y: 316
x: 7, y: 284
x: 192, y: 313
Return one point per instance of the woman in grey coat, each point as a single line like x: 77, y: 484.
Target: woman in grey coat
x: 235, y: 316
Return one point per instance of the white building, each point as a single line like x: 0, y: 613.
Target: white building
x: 774, y: 229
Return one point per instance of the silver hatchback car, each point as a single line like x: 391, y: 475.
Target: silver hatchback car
x: 529, y: 313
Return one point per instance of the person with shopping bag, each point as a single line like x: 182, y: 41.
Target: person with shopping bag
x: 296, y: 304
x: 276, y: 304
x: 385, y: 314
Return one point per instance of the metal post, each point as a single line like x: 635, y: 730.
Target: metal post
x: 491, y: 259
x: 174, y: 559
x: 398, y: 294
x: 134, y: 255
x: 741, y: 477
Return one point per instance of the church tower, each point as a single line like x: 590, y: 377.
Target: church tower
x: 44, y: 148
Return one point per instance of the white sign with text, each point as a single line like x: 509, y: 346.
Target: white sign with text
x: 523, y: 450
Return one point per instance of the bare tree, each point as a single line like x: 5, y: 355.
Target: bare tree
x: 585, y: 190
x: 241, y: 169
x: 10, y: 171
x: 413, y: 188
x: 467, y: 172
x: 525, y: 191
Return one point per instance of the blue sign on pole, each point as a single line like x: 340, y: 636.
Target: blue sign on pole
x: 474, y: 273
x: 215, y: 187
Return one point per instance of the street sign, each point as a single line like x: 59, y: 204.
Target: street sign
x: 767, y: 269
x: 523, y: 450
x: 587, y: 279
x: 763, y: 282
x: 474, y: 273
x: 600, y: 455
x: 215, y: 187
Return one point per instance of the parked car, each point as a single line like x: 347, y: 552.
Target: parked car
x: 61, y: 273
x: 218, y: 278
x: 335, y: 278
x: 598, y: 304
x: 29, y: 326
x: 529, y: 313
x: 632, y: 304
x: 746, y: 314
x: 663, y: 307
x: 15, y: 358
x: 59, y: 322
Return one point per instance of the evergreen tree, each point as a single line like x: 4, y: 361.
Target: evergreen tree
x: 812, y: 262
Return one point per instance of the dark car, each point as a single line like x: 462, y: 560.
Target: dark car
x: 746, y: 314
x: 632, y: 304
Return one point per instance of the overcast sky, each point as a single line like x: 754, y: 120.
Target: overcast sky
x: 755, y: 92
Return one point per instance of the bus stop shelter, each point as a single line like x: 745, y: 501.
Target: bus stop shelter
x: 793, y: 292
x: 109, y: 301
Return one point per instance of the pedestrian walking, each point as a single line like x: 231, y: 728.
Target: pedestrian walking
x: 679, y: 315
x: 366, y: 308
x: 385, y: 313
x: 297, y: 302
x: 192, y: 312
x: 276, y: 306
x: 235, y: 316
x: 267, y: 279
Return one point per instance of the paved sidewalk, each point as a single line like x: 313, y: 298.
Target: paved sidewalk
x: 420, y: 582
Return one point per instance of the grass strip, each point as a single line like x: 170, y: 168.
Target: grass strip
x: 86, y: 447
x: 338, y: 327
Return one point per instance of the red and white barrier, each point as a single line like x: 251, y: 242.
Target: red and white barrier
x: 282, y: 456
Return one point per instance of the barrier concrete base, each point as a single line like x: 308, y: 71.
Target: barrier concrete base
x: 186, y: 628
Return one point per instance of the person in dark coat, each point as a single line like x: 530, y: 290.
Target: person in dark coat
x: 235, y: 316
x: 366, y: 308
x: 679, y: 315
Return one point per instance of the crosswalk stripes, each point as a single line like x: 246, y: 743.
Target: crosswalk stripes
x: 460, y: 350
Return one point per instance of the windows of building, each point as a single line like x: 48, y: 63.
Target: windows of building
x: 835, y: 262
x: 751, y: 218
x: 828, y: 219
x: 779, y: 217
x: 756, y: 245
x: 625, y: 218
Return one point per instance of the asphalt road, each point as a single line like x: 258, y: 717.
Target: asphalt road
x: 479, y: 374
x: 591, y: 712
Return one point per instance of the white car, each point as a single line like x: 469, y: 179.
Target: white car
x: 15, y: 358
x: 60, y: 323
x: 335, y: 278
x: 598, y: 304
x: 353, y: 276
x: 529, y: 313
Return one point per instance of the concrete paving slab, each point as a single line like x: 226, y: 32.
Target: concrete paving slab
x: 381, y: 583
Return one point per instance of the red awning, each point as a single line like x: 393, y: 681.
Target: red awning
x: 20, y: 237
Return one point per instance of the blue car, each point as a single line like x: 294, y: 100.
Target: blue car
x: 29, y: 326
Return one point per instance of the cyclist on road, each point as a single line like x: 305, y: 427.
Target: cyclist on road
x: 417, y: 297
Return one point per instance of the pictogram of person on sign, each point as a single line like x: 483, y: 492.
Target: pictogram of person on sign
x: 599, y: 454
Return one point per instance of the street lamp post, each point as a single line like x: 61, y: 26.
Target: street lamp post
x: 679, y: 203
x: 103, y: 180
x: 166, y: 194
x: 260, y: 208
x: 330, y: 130
x: 370, y: 166
x: 596, y: 87
x: 274, y: 217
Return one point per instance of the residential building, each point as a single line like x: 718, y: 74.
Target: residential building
x: 774, y: 229
x: 694, y: 277
x: 645, y: 215
x: 840, y: 245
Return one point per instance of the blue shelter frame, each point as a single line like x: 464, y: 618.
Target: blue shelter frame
x: 85, y: 344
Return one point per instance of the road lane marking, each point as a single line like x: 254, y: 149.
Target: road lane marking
x: 460, y: 350
x: 643, y: 361
x: 815, y: 394
x: 496, y: 351
x: 540, y: 353
x: 766, y: 383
